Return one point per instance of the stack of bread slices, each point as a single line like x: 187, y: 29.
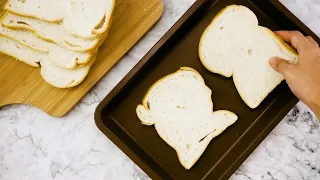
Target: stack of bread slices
x: 61, y: 37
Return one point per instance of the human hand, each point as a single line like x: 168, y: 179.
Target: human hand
x: 303, y: 78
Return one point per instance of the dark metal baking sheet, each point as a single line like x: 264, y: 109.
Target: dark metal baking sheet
x: 116, y: 117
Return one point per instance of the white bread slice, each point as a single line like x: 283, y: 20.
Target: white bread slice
x: 20, y: 52
x: 235, y: 45
x: 64, y: 58
x: 81, y: 18
x: 53, y: 32
x: 53, y: 74
x: 63, y: 78
x: 48, y: 10
x: 180, y: 107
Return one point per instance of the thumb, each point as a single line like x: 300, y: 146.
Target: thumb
x: 279, y: 64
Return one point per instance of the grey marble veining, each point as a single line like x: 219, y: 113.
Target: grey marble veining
x: 291, y: 151
x: 36, y: 146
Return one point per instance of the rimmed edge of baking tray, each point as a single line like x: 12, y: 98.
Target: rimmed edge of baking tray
x: 276, y: 118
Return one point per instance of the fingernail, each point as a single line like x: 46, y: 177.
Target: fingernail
x: 273, y: 60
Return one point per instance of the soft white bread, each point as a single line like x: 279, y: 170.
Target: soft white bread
x: 81, y: 18
x: 48, y: 10
x: 62, y: 57
x: 62, y: 78
x: 180, y: 107
x: 235, y: 45
x: 54, y: 32
x: 53, y: 74
x: 20, y: 52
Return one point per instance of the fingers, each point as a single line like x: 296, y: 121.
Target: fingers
x: 312, y: 40
x: 280, y: 65
x: 296, y: 38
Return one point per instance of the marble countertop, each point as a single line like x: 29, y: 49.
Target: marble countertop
x: 36, y: 146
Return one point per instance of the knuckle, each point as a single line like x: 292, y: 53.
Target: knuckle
x: 309, y: 38
x: 298, y: 37
x: 317, y: 53
x: 280, y: 66
x: 312, y: 48
x: 313, y: 42
x: 297, y: 34
x: 314, y: 51
x: 287, y: 72
x: 295, y: 41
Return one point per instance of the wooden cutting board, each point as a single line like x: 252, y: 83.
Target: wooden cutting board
x: 22, y: 84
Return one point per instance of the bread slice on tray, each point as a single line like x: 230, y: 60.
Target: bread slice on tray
x: 180, y: 107
x: 54, y: 32
x: 62, y: 57
x: 53, y: 74
x: 235, y: 45
x: 82, y: 18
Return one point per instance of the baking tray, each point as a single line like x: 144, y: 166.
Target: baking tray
x: 117, y: 119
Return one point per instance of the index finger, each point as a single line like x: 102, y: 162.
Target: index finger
x: 296, y: 38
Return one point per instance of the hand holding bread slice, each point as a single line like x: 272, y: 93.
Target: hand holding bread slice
x: 235, y: 45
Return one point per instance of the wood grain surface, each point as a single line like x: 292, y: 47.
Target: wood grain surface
x: 23, y: 84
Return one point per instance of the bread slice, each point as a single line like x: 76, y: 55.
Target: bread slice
x: 48, y: 10
x: 81, y: 18
x: 53, y: 74
x: 54, y: 32
x: 235, y: 45
x: 62, y: 78
x: 64, y: 58
x: 18, y: 51
x: 180, y: 107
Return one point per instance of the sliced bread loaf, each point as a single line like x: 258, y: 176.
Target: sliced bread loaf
x: 235, y: 45
x: 180, y: 107
x: 81, y: 18
x: 54, y: 32
x: 64, y: 58
x: 53, y: 74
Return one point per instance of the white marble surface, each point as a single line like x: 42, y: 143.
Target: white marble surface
x: 36, y: 146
